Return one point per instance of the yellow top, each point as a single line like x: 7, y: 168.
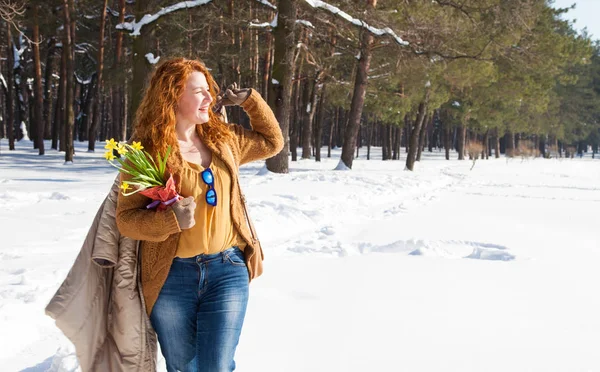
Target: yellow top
x: 214, y: 230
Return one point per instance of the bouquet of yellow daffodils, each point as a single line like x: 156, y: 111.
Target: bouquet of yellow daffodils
x: 148, y: 176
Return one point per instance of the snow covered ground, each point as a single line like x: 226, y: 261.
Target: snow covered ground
x: 374, y: 269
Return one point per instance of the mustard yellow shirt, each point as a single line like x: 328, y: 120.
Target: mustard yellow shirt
x: 214, y: 231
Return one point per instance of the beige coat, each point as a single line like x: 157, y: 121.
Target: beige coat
x: 99, y: 306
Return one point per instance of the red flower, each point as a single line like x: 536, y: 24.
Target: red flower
x: 163, y: 196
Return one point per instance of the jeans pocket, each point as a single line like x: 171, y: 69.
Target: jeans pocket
x: 236, y: 258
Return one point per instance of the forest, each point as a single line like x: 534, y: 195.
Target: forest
x: 481, y: 77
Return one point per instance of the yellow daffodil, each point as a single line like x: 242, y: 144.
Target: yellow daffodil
x: 137, y: 146
x: 146, y: 172
x: 122, y: 150
x: 109, y: 155
x: 110, y: 144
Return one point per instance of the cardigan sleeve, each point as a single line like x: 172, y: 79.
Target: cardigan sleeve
x: 136, y: 222
x: 265, y: 139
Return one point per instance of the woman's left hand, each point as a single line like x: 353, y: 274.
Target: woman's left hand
x: 233, y: 96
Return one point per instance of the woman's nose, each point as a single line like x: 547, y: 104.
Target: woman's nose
x: 208, y: 97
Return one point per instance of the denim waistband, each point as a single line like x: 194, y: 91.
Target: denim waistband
x: 209, y: 257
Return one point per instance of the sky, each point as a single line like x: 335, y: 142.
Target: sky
x: 586, y: 13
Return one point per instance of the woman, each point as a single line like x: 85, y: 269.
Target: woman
x: 198, y: 256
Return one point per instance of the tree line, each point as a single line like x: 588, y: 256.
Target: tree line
x: 482, y: 77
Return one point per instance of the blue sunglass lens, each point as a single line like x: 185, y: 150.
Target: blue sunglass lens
x: 211, y: 197
x: 207, y: 177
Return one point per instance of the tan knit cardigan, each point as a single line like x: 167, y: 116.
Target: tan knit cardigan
x: 159, y: 230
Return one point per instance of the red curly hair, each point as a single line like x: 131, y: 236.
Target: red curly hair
x: 154, y: 124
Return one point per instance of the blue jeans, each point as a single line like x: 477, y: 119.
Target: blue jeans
x: 200, y: 310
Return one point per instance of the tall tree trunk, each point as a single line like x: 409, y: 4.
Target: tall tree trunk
x: 434, y: 131
x: 390, y: 140
x: 370, y: 124
x: 267, y: 64
x: 68, y: 46
x: 23, y: 112
x: 542, y: 145
x: 118, y: 90
x: 497, y: 144
x: 39, y: 93
x: 87, y: 108
x: 359, y: 140
x: 462, y: 139
x: 383, y: 133
x: 413, y: 144
x: 486, y: 145
x: 189, y: 34
x: 253, y: 47
x: 2, y: 108
x: 395, y: 144
x: 358, y: 97
x: 125, y: 110
x: 394, y: 140
x: 97, y: 101
x: 283, y: 72
x: 140, y: 47
x: 108, y: 119
x: 104, y: 116
x: 208, y: 38
x: 300, y: 98
x: 58, y: 140
x: 319, y: 125
x: 422, y: 135
x: 447, y: 142
x: 341, y: 128
x: 407, y: 129
x: 510, y: 143
x: 50, y: 61
x: 308, y: 119
x: 399, y: 132
x: 332, y: 125
x: 10, y: 96
x: 78, y: 95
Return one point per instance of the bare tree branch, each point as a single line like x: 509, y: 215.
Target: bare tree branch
x: 11, y: 11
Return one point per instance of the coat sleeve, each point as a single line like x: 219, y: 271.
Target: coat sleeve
x: 265, y: 138
x: 136, y: 222
x: 106, y: 244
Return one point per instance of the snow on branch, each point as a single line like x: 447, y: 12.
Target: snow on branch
x: 85, y: 46
x: 355, y: 21
x: 305, y: 23
x: 260, y: 25
x: 151, y: 59
x: 81, y: 81
x: 274, y: 23
x: 135, y: 27
x: 114, y: 13
x: 265, y: 2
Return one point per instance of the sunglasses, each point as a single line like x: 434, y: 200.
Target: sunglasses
x: 211, y: 194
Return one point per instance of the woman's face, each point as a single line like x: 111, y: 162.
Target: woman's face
x: 193, y: 104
